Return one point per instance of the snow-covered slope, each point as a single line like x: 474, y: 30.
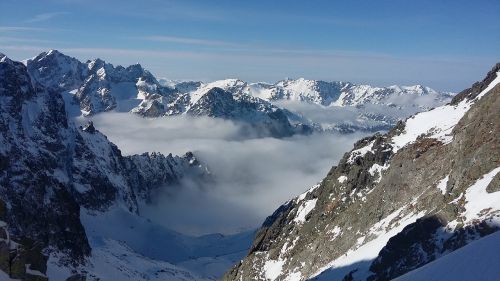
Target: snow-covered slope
x: 126, y: 246
x: 346, y: 94
x: 395, y: 202
x: 475, y: 261
x: 115, y: 260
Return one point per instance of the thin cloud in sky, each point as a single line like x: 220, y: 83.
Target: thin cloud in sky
x: 235, y: 53
x: 44, y: 17
x: 20, y: 28
x: 250, y: 48
x: 188, y: 41
x: 27, y: 40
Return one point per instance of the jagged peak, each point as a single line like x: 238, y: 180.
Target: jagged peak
x: 51, y: 54
x: 96, y: 63
x: 7, y: 62
x: 3, y: 57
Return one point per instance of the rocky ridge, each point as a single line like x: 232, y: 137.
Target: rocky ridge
x: 50, y: 168
x: 96, y: 86
x: 395, y: 202
x: 359, y: 107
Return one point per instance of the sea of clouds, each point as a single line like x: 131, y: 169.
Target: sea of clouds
x: 253, y: 176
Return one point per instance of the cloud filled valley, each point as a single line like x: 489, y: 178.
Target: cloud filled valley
x: 252, y: 176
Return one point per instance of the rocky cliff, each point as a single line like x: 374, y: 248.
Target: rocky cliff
x: 395, y: 202
x: 50, y: 168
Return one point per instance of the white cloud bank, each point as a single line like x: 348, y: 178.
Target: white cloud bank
x: 253, y: 176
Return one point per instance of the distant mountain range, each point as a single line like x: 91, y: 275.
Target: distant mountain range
x: 96, y: 86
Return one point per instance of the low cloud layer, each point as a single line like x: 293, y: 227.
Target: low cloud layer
x: 253, y: 176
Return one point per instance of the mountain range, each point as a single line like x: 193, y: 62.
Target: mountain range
x: 406, y: 201
x: 58, y: 180
x: 96, y: 86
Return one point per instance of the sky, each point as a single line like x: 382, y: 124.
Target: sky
x: 446, y: 45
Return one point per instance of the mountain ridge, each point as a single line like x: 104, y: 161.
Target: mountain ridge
x: 96, y: 87
x: 393, y: 203
x: 52, y: 169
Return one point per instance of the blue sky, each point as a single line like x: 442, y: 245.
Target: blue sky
x: 442, y: 44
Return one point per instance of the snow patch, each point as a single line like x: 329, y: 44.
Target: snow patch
x: 442, y: 184
x: 335, y: 232
x: 295, y: 276
x: 361, y: 152
x: 376, y: 169
x: 480, y: 203
x: 303, y: 195
x: 272, y: 269
x: 304, y: 209
x: 342, y: 179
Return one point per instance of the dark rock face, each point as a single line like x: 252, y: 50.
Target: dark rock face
x: 22, y: 259
x: 411, y: 247
x: 51, y: 168
x: 265, y: 118
x: 264, y: 237
x: 33, y: 145
x: 421, y: 243
x: 378, y: 190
